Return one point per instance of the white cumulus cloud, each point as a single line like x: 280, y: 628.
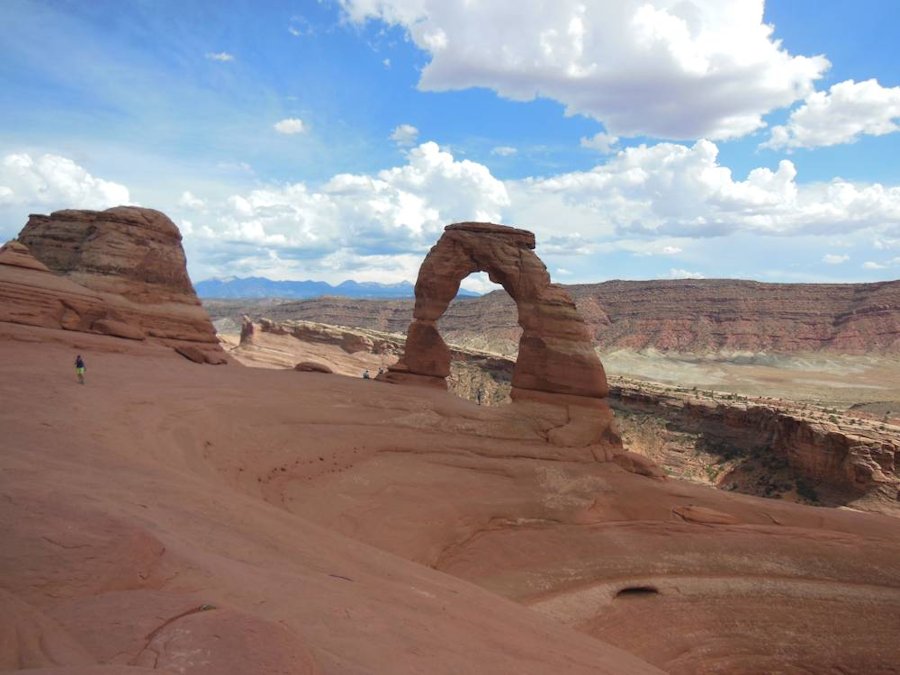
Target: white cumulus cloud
x: 405, y: 134
x: 647, y: 202
x: 869, y: 265
x: 678, y: 191
x: 601, y: 142
x: 846, y: 112
x: 54, y: 182
x: 290, y: 126
x: 352, y: 218
x: 680, y: 69
x: 833, y: 259
x: 190, y: 201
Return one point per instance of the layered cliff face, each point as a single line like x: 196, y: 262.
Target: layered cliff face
x: 729, y: 315
x: 693, y: 316
x: 119, y: 272
x: 764, y: 446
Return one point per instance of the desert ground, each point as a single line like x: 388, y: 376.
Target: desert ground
x: 200, y: 519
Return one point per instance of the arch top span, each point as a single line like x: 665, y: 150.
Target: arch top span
x: 555, y: 352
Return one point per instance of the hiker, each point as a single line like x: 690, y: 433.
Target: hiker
x: 79, y: 369
x: 380, y: 373
x: 366, y: 375
x: 478, y: 395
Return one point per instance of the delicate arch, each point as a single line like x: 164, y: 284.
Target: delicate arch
x: 555, y: 351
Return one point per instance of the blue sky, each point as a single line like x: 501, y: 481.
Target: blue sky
x: 333, y: 139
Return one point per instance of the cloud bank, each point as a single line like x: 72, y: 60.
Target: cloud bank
x: 661, y: 201
x: 846, y: 112
x: 675, y: 69
x: 54, y: 182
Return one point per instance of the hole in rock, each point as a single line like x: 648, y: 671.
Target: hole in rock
x: 637, y: 592
x: 481, y: 371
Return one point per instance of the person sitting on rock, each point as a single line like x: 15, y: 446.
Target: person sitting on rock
x: 79, y: 369
x: 366, y: 375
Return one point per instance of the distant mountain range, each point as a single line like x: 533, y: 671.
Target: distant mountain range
x: 260, y: 287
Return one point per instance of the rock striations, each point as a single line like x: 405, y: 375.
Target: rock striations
x: 688, y: 316
x: 119, y: 272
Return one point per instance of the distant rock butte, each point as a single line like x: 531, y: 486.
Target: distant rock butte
x: 119, y: 272
x: 556, y: 362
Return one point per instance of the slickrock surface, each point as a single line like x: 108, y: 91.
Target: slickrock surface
x: 117, y: 272
x: 691, y: 316
x: 318, y: 523
x: 137, y: 527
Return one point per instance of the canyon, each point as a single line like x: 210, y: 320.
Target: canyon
x: 682, y: 316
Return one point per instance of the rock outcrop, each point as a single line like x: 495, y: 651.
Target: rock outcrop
x: 119, y: 272
x: 556, y: 362
x: 555, y: 354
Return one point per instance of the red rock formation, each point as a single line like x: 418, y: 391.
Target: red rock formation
x: 555, y: 355
x: 844, y: 460
x: 694, y: 316
x: 119, y: 272
x: 556, y: 363
x: 131, y: 251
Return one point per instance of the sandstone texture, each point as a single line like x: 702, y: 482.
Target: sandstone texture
x: 119, y: 272
x: 312, y: 367
x: 169, y: 518
x: 253, y: 520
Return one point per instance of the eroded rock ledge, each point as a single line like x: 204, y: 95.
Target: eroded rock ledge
x: 768, y: 447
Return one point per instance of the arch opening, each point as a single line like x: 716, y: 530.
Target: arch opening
x: 483, y: 339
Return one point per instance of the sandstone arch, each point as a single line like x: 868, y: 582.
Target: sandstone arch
x: 555, y: 352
